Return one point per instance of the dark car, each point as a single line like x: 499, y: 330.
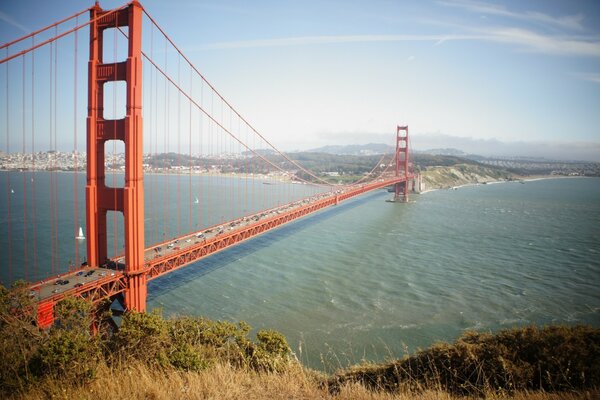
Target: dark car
x: 64, y: 282
x: 78, y: 284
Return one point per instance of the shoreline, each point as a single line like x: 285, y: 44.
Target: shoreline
x: 519, y: 180
x: 262, y: 177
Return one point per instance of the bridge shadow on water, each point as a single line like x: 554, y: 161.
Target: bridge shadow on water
x: 180, y: 277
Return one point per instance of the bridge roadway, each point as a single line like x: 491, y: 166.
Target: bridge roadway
x: 96, y: 284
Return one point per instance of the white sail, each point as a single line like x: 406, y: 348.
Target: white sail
x: 80, y: 235
x: 196, y: 201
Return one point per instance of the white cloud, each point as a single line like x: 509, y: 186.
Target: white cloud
x: 591, y: 77
x: 312, y: 40
x: 529, y: 40
x: 573, y: 22
x: 9, y: 20
x: 536, y: 42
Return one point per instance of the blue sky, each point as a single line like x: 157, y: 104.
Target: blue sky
x: 512, y: 77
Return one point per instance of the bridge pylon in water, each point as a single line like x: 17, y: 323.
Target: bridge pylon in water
x: 401, y: 188
x: 129, y: 199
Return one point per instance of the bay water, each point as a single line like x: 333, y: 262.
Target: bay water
x: 367, y: 279
x: 372, y: 280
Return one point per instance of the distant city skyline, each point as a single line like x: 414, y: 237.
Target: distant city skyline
x: 503, y: 78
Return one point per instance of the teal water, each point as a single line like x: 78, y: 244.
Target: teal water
x: 367, y: 279
x: 40, y: 215
x: 372, y: 280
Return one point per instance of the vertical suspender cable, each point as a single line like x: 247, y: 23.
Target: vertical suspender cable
x: 9, y: 189
x: 55, y: 147
x: 232, y: 181
x: 157, y: 209
x: 54, y: 159
x: 114, y: 153
x: 75, y: 149
x: 190, y: 156
x: 52, y: 188
x: 178, y: 149
x: 202, y: 179
x: 25, y: 227
x: 33, y: 177
x: 166, y: 141
x: 150, y: 210
x: 56, y: 210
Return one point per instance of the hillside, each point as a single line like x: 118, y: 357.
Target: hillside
x: 150, y: 357
x: 443, y: 177
x: 355, y: 149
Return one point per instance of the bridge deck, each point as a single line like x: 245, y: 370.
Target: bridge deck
x: 97, y: 283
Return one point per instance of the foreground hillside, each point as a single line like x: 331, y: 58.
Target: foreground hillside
x: 150, y: 357
x: 138, y: 381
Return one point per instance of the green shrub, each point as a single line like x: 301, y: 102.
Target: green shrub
x: 269, y: 353
x: 554, y: 358
x: 204, y: 332
x: 19, y: 337
x: 67, y: 355
x: 141, y: 336
x: 187, y: 357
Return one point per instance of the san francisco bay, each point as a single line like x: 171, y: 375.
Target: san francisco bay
x: 367, y: 279
x: 372, y: 280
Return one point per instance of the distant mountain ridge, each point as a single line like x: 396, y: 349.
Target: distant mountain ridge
x: 444, y: 152
x: 355, y: 149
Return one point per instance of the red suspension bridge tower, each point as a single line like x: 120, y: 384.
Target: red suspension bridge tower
x: 129, y: 199
x: 125, y: 278
x: 401, y: 188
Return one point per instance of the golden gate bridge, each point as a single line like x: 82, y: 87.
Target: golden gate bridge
x: 184, y: 115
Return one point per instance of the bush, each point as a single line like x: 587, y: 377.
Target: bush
x: 68, y: 355
x: 187, y: 358
x: 142, y: 336
x: 19, y: 337
x: 270, y: 353
x: 554, y: 358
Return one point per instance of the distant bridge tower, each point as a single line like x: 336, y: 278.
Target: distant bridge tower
x: 129, y: 199
x: 401, y: 188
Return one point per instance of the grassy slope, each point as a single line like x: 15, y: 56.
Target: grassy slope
x: 513, y: 363
x: 442, y: 177
x: 139, y: 381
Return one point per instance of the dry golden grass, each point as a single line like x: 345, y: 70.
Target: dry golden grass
x: 138, y: 381
x: 194, y: 358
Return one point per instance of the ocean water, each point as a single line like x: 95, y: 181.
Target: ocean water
x: 373, y: 280
x: 367, y: 279
x: 40, y: 214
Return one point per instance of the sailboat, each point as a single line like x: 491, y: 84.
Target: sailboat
x: 80, y: 235
x: 196, y: 201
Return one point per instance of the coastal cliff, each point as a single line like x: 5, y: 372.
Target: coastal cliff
x: 445, y: 177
